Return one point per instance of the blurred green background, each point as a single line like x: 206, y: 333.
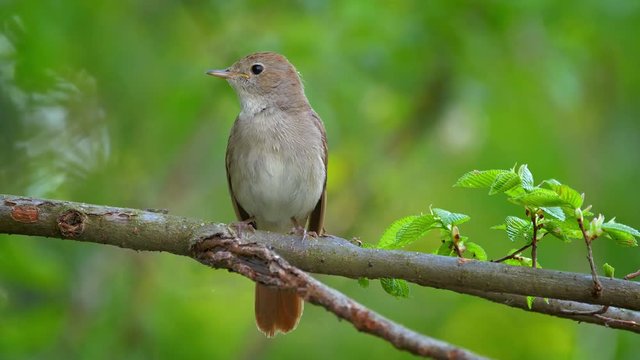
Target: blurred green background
x: 106, y: 102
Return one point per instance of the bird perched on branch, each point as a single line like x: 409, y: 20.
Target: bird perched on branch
x: 276, y: 166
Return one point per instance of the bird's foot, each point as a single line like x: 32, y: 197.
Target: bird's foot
x: 301, y: 231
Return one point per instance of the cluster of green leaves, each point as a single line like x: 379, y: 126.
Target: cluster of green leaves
x: 555, y: 208
x: 551, y: 208
x: 409, y: 229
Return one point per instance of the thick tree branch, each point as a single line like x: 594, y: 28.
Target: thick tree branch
x: 260, y: 264
x: 148, y: 230
x: 211, y: 244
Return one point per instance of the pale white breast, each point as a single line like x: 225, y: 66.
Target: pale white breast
x: 275, y: 175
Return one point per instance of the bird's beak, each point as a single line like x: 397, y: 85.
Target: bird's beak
x: 220, y: 73
x: 225, y: 74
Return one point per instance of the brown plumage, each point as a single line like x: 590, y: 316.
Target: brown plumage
x: 276, y: 165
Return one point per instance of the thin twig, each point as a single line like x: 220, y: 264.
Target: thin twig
x: 512, y: 255
x: 261, y: 264
x: 618, y: 322
x: 534, y: 240
x: 597, y: 286
x: 632, y: 275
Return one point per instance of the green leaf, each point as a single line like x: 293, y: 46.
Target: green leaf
x: 552, y: 182
x: 388, y: 238
x: 515, y: 192
x: 413, y: 231
x: 562, y: 230
x: 476, y: 251
x: 530, y: 300
x: 518, y: 228
x: 622, y: 234
x: 478, y: 178
x: 609, y: 270
x: 622, y: 238
x: 539, y: 197
x: 395, y: 287
x: 363, y: 281
x: 555, y: 212
x: 519, y: 261
x: 571, y: 197
x: 526, y: 177
x: 448, y: 218
x: 611, y: 224
x: 445, y: 249
x: 504, y: 182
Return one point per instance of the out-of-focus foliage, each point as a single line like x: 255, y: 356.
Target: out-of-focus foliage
x: 107, y: 102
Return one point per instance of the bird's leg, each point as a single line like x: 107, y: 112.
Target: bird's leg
x: 298, y: 229
x: 301, y: 231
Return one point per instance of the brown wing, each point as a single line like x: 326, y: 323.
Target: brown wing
x: 241, y: 214
x: 316, y: 219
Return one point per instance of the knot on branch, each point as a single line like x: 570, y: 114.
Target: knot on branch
x: 252, y: 260
x: 71, y: 223
x: 27, y: 214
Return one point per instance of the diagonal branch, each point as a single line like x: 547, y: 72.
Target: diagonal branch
x: 262, y: 265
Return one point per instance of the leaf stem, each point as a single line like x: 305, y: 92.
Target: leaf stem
x: 513, y: 254
x: 597, y: 286
x: 534, y: 240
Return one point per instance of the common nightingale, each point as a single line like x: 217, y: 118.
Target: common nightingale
x: 276, y: 166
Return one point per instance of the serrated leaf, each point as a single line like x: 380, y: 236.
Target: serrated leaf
x: 611, y: 224
x: 562, y: 230
x: 622, y: 238
x: 504, y: 182
x: 413, y: 231
x: 515, y: 192
x: 518, y: 228
x: 555, y: 212
x: 539, y: 197
x: 530, y: 300
x: 478, y: 178
x: 526, y: 177
x: 552, y: 182
x: 476, y: 251
x: 609, y: 270
x: 571, y: 197
x: 448, y: 218
x: 389, y: 235
x: 363, y: 281
x: 395, y: 287
x: 622, y: 234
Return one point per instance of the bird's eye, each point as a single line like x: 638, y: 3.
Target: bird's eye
x: 257, y: 68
